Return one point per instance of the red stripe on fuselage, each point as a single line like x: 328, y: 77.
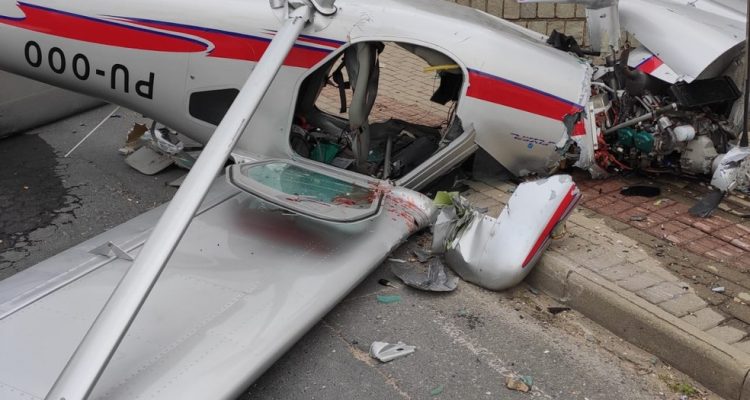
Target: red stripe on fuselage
x: 514, y: 95
x: 650, y: 65
x: 71, y: 26
x: 236, y: 46
x: 115, y: 32
x: 565, y: 206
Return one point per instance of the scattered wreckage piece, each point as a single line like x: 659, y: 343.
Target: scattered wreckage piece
x: 435, y: 279
x: 386, y: 352
x: 497, y: 253
x: 517, y: 384
x: 151, y: 150
x: 673, y: 104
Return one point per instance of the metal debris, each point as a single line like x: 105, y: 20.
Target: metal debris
x: 385, y: 352
x: 434, y: 279
x: 133, y: 141
x: 497, y: 253
x: 148, y: 161
x: 708, y: 204
x: 177, y: 182
x: 422, y: 256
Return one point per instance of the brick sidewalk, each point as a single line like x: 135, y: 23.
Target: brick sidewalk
x: 639, y: 266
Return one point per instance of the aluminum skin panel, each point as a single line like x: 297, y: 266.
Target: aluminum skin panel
x: 695, y: 43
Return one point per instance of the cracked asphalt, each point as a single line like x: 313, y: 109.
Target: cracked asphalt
x: 468, y: 342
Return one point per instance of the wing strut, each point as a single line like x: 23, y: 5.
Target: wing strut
x: 86, y: 365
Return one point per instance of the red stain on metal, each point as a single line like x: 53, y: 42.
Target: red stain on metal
x: 344, y: 201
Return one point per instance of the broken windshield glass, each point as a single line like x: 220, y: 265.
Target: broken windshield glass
x: 320, y: 194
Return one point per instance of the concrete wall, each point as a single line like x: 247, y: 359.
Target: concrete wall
x: 543, y: 18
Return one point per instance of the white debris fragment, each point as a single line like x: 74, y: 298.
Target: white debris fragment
x: 385, y: 352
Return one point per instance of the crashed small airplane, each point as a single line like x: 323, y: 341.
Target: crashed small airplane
x: 671, y: 104
x: 314, y: 200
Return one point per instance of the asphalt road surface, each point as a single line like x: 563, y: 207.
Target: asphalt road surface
x: 468, y: 342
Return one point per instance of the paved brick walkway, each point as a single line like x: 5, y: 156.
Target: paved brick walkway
x: 637, y: 265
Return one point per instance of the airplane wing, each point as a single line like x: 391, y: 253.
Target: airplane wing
x: 246, y: 282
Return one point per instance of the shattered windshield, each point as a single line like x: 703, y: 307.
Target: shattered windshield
x: 318, y: 193
x: 307, y: 185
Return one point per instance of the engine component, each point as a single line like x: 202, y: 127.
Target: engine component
x: 684, y: 133
x: 644, y: 117
x: 641, y: 140
x: 705, y: 92
x: 698, y: 156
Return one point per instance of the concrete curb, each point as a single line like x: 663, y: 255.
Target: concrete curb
x: 713, y: 363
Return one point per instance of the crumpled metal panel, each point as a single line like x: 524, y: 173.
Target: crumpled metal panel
x: 695, y: 43
x: 728, y: 168
x: 498, y: 253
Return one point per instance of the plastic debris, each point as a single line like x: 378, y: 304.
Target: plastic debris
x: 707, y: 205
x: 557, y: 310
x: 437, y: 391
x: 397, y: 260
x: 638, y: 218
x: 720, y: 289
x: 389, y: 299
x: 641, y: 191
x: 528, y: 380
x: 517, y: 385
x: 435, y: 279
x: 385, y: 352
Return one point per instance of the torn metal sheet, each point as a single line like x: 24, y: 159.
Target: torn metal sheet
x: 695, y: 43
x: 642, y: 59
x: 499, y: 253
x: 728, y: 166
x: 149, y: 161
x: 133, y: 140
x: 177, y: 182
x: 385, y: 352
x: 435, y: 279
